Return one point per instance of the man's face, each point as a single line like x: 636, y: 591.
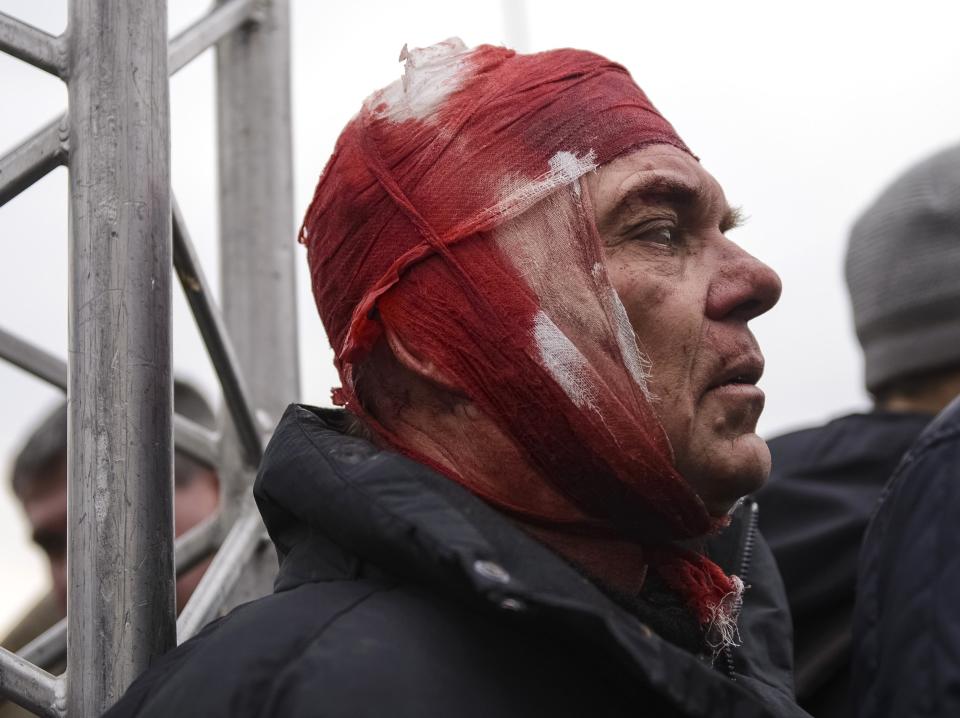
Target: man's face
x: 44, y: 500
x: 689, y: 293
x: 192, y: 503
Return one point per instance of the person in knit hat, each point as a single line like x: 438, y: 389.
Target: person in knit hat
x: 530, y: 503
x: 906, y: 630
x: 902, y: 269
x: 903, y: 275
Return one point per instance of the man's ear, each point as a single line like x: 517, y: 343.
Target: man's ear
x: 424, y: 368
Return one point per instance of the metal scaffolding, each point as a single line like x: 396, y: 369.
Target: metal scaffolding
x: 126, y: 234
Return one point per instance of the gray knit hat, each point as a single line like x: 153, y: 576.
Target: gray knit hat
x: 903, y: 272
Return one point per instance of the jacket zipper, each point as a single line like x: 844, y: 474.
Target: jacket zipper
x: 746, y: 556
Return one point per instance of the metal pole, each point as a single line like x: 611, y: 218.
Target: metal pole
x: 516, y: 27
x: 230, y: 563
x: 50, y: 647
x: 30, y: 44
x: 120, y: 554
x: 257, y: 269
x: 33, y: 159
x: 29, y: 686
x: 222, y: 20
x: 256, y: 206
x: 219, y: 347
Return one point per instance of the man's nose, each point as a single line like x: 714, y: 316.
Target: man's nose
x: 743, y: 287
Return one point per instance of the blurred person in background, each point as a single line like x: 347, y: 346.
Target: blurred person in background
x: 906, y: 627
x: 906, y: 630
x: 39, y: 480
x: 903, y: 275
x: 531, y: 505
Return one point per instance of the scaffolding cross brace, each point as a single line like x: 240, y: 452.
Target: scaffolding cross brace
x: 126, y: 238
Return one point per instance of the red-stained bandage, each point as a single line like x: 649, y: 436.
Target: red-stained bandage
x: 452, y: 211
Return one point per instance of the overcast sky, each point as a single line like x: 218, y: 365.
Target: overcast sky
x: 803, y: 111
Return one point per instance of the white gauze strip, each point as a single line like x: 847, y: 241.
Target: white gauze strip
x: 565, y: 168
x: 637, y: 364
x: 563, y: 360
x: 430, y: 75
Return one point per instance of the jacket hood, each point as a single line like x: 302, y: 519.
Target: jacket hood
x: 387, y: 510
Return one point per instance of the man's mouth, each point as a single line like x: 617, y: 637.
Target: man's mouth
x: 743, y: 371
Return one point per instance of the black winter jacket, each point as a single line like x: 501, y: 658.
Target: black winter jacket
x: 814, y: 510
x: 906, y: 630
x: 400, y: 594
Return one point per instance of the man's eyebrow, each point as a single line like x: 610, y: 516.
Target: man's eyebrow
x: 668, y: 190
x: 665, y: 190
x: 732, y: 218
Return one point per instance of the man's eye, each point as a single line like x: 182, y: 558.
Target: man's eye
x: 659, y: 235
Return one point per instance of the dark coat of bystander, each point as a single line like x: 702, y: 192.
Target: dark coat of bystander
x: 814, y: 511
x: 906, y: 629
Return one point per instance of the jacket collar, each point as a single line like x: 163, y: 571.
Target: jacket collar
x: 316, y: 484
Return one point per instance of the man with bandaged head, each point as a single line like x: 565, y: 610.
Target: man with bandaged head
x: 529, y: 503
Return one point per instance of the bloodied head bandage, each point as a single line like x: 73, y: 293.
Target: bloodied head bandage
x: 453, y: 213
